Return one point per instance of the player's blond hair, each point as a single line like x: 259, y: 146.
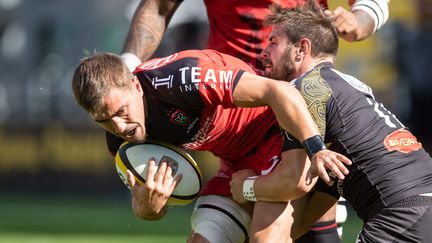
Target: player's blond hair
x: 307, y: 21
x: 95, y: 76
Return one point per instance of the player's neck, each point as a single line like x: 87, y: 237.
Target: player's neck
x: 317, y: 61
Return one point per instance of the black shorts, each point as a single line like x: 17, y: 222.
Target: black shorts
x: 409, y: 220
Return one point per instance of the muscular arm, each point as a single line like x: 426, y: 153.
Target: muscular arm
x: 287, y: 181
x: 148, y: 26
x: 284, y: 99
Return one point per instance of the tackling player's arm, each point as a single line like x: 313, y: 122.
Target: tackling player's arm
x: 293, y: 116
x: 365, y: 17
x: 148, y: 26
x: 285, y: 100
x: 286, y: 182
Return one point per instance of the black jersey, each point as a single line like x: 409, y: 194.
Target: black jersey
x: 389, y: 164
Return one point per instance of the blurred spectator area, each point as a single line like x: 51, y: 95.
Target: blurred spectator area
x: 48, y: 143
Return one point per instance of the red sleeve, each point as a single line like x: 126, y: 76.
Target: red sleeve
x: 219, y: 75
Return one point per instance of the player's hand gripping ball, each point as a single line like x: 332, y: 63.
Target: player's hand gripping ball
x: 135, y: 156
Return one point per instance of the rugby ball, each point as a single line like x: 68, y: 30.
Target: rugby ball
x: 135, y: 156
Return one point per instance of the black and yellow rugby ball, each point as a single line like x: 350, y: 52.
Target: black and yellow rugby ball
x: 135, y: 156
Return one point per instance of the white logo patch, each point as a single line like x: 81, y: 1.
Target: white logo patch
x: 275, y: 161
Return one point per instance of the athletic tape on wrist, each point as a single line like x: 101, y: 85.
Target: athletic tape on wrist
x: 377, y: 9
x: 313, y: 145
x: 248, y: 189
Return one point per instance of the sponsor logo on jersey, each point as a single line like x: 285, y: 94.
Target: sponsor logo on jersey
x: 189, y: 78
x: 167, y: 82
x: 180, y: 118
x: 202, y: 135
x: 189, y: 128
x: 402, y: 140
x: 193, y: 78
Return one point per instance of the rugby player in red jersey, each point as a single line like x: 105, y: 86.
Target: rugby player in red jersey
x: 390, y: 180
x: 216, y: 93
x: 237, y: 28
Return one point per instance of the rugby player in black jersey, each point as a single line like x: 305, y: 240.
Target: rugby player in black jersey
x: 390, y: 180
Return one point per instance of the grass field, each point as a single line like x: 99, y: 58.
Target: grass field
x: 54, y: 219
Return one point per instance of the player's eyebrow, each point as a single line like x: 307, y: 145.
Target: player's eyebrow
x: 100, y: 120
x: 119, y: 110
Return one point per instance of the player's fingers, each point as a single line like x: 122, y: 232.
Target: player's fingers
x: 168, y: 178
x: 338, y: 22
x: 338, y: 11
x: 344, y: 20
x: 333, y: 160
x: 328, y: 13
x: 160, y: 174
x: 309, y: 177
x: 175, y: 181
x: 130, y: 179
x: 341, y: 167
x: 151, y: 171
x: 133, y: 186
x: 347, y: 22
x: 346, y: 29
x: 344, y: 159
x: 320, y: 161
x: 332, y: 165
x: 312, y: 172
x: 324, y: 176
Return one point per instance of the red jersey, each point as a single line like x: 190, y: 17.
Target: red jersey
x: 237, y: 28
x: 190, y: 104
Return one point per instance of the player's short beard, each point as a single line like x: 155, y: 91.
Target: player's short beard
x: 284, y: 68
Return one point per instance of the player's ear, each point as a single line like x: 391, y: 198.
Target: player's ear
x: 136, y: 84
x: 304, y: 47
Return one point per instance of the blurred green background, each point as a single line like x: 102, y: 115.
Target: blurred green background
x: 57, y: 181
x: 62, y: 219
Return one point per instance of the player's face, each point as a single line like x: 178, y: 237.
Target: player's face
x: 278, y: 56
x: 123, y: 113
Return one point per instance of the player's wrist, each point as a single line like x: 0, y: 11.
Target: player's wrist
x: 313, y: 145
x: 376, y: 9
x: 248, y: 188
